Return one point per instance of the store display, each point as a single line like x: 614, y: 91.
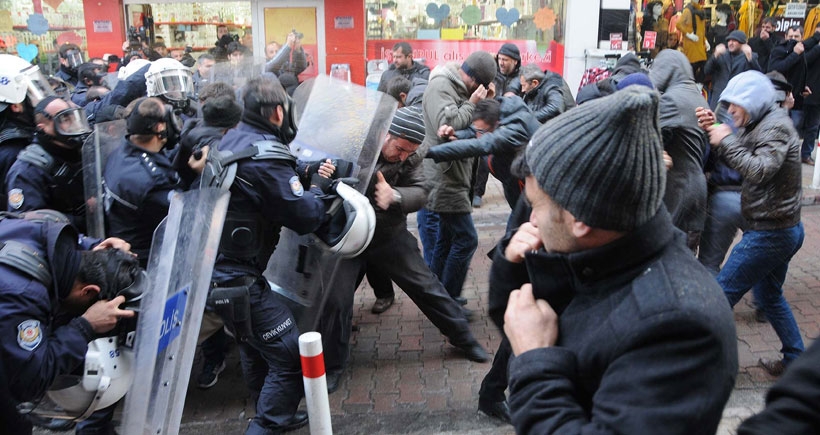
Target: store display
x: 195, y: 24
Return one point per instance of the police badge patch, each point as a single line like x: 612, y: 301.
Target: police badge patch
x: 28, y: 334
x: 16, y: 198
x: 295, y: 186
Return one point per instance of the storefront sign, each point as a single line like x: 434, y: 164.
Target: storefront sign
x: 649, y: 38
x: 795, y: 10
x: 782, y: 24
x: 343, y: 22
x: 103, y: 26
x: 437, y: 52
x: 616, y: 41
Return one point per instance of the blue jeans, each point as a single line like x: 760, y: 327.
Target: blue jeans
x: 722, y: 222
x: 759, y: 262
x: 427, y: 222
x: 454, y: 249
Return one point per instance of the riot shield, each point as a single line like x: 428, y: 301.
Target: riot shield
x: 106, y: 137
x: 236, y: 74
x: 179, y: 270
x: 336, y: 120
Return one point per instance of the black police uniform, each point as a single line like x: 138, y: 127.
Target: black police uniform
x: 36, y: 345
x: 269, y: 193
x: 67, y: 75
x: 47, y: 176
x: 14, y: 136
x: 138, y: 189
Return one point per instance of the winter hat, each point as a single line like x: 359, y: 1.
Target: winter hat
x: 408, y: 123
x: 480, y: 65
x: 738, y: 36
x: 221, y: 112
x: 639, y: 79
x: 510, y: 50
x: 602, y: 161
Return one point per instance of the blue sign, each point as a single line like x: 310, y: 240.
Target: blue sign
x: 172, y: 318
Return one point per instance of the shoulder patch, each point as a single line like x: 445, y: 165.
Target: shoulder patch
x: 16, y: 198
x: 29, y: 335
x: 296, y: 186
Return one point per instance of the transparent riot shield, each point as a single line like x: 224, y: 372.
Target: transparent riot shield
x: 336, y: 120
x: 179, y: 270
x: 235, y: 73
x: 106, y: 137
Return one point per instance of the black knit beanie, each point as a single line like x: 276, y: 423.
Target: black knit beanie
x: 221, y: 112
x: 603, y: 161
x: 510, y: 50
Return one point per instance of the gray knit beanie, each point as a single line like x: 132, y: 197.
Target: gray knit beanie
x: 408, y: 123
x: 603, y: 161
x: 480, y: 65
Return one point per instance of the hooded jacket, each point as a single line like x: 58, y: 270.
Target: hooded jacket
x: 446, y: 101
x: 683, y: 139
x: 416, y: 70
x: 550, y: 98
x: 766, y: 153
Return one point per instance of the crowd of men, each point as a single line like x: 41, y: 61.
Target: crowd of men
x: 609, y: 320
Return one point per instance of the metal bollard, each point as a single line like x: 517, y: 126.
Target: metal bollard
x: 313, y: 374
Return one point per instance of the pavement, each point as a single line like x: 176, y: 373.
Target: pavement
x: 405, y: 379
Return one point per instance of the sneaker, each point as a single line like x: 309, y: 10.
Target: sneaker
x: 476, y: 202
x: 210, y: 374
x: 381, y: 305
x: 774, y: 367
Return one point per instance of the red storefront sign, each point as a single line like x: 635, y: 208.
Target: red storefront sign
x: 437, y: 52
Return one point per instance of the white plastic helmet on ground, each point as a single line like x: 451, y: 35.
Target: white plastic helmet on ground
x: 19, y: 79
x: 355, y: 222
x: 106, y: 378
x: 169, y: 79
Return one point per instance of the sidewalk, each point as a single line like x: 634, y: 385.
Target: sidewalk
x: 405, y: 379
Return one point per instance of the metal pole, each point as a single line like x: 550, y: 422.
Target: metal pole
x: 313, y: 373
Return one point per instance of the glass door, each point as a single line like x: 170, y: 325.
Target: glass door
x: 305, y: 19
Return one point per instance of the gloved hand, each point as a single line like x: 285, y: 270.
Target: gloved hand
x: 692, y: 37
x: 325, y: 184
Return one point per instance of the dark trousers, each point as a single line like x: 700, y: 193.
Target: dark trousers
x: 454, y: 249
x: 272, y: 367
x: 216, y: 346
x: 482, y: 174
x: 810, y: 127
x: 380, y: 281
x: 494, y: 385
x: 396, y: 253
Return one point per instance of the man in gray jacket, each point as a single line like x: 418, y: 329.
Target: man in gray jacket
x: 728, y: 61
x: 766, y: 152
x: 449, y: 100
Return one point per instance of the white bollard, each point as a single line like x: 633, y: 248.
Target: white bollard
x: 313, y: 374
x: 815, y: 179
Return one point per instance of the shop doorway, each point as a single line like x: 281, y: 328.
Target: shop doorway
x: 305, y: 17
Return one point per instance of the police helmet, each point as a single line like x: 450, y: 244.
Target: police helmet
x: 20, y: 79
x: 169, y: 79
x: 352, y: 222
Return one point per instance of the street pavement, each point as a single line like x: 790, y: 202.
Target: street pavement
x: 404, y: 378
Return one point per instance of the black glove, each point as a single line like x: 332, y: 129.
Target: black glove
x: 325, y: 184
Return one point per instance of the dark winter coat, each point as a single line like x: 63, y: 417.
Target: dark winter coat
x: 647, y: 341
x: 550, y: 98
x: 723, y: 68
x: 683, y: 139
x: 793, y: 66
x: 417, y: 70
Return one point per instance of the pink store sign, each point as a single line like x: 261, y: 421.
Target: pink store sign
x: 437, y: 52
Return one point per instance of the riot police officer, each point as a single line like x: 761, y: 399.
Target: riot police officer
x: 48, y: 173
x: 23, y: 87
x: 139, y: 178
x: 70, y: 58
x: 57, y: 295
x: 266, y: 195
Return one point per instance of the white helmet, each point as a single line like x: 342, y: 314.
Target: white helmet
x: 19, y: 79
x: 169, y: 79
x: 106, y: 377
x: 351, y: 225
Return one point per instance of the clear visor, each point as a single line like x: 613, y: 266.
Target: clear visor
x: 71, y: 122
x: 37, y: 85
x: 175, y: 85
x: 74, y: 58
